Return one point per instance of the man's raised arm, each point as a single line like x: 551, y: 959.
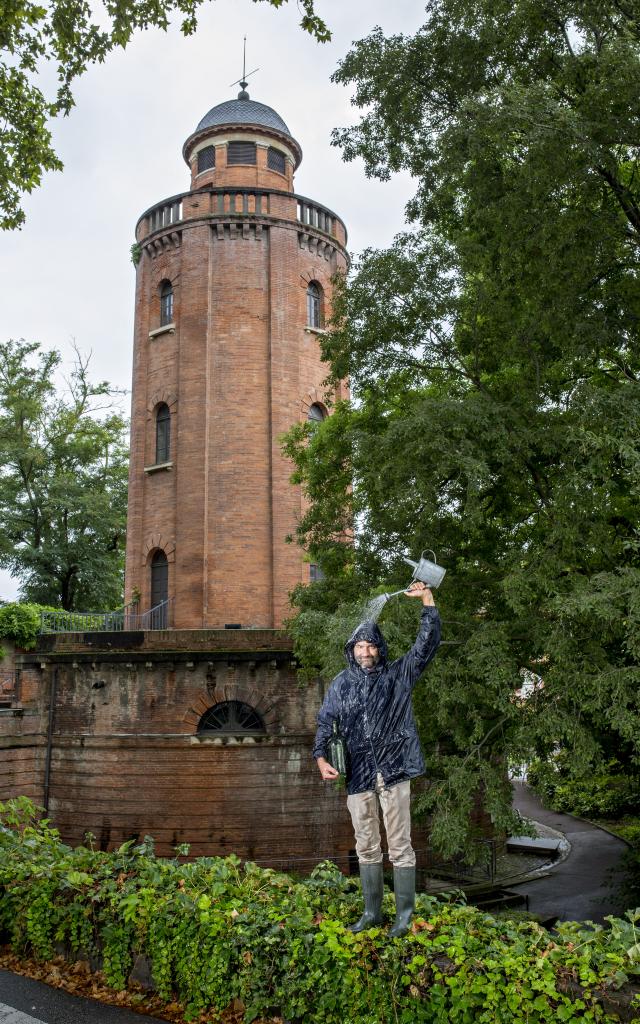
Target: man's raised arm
x: 414, y: 662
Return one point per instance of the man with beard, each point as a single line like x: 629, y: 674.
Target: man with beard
x: 371, y: 702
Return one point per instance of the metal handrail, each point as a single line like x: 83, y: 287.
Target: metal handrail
x: 121, y: 620
x: 457, y: 868
x: 7, y: 684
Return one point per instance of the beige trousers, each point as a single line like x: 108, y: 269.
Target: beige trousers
x: 396, y: 814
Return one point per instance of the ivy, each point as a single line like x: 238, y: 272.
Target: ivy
x: 218, y: 930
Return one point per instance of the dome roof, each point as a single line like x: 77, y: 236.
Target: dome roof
x: 243, y: 111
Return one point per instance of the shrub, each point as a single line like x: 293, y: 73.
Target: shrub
x: 20, y: 623
x: 609, y: 792
x: 217, y: 930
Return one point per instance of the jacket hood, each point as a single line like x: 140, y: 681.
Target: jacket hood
x: 369, y: 631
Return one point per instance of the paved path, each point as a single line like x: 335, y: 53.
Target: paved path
x: 579, y: 889
x: 24, y: 1001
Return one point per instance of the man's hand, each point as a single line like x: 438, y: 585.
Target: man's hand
x: 419, y: 589
x: 328, y: 772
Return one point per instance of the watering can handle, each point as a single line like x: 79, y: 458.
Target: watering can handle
x: 432, y: 552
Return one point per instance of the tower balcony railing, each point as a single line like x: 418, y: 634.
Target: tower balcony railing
x: 165, y: 215
x: 121, y: 620
x: 242, y: 201
x: 315, y: 216
x: 251, y: 201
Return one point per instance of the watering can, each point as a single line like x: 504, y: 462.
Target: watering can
x: 429, y: 573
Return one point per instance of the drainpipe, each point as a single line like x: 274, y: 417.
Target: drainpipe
x: 47, y: 767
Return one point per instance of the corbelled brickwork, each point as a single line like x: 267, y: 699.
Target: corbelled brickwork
x: 237, y: 366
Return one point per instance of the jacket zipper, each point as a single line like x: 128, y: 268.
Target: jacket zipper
x: 366, y: 724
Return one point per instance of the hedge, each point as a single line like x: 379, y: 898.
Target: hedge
x: 20, y: 623
x: 217, y: 930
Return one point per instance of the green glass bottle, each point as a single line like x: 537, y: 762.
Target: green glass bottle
x: 337, y: 753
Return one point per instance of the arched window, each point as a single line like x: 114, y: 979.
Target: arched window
x: 317, y: 413
x: 159, y: 579
x: 166, y: 303
x: 314, y: 305
x: 163, y: 434
x: 231, y: 717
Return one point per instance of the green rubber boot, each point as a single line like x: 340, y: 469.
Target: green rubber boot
x: 372, y: 890
x: 404, y: 887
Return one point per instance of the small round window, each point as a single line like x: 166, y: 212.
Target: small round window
x: 231, y: 717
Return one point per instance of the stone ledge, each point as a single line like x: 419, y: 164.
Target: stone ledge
x: 165, y: 329
x: 171, y: 641
x: 85, y: 656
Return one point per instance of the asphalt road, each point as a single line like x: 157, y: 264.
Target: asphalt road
x: 23, y: 1001
x: 582, y: 888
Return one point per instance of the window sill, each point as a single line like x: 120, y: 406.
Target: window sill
x: 315, y: 330
x: 158, y: 467
x: 165, y: 329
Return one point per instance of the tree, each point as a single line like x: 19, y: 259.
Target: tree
x: 62, y: 32
x: 493, y: 353
x: 63, y: 482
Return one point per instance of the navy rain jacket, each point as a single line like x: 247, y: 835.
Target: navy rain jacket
x: 373, y: 708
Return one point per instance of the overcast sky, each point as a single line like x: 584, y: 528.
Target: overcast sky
x: 67, y: 274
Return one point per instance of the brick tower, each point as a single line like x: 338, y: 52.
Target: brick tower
x: 233, y: 285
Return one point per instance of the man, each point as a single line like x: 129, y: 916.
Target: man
x: 371, y: 702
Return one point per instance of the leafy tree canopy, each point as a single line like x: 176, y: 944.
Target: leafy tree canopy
x: 64, y: 33
x: 63, y: 482
x: 493, y: 354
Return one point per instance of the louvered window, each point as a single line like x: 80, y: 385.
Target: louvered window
x: 206, y: 158
x: 241, y: 153
x: 163, y: 434
x: 275, y: 160
x: 231, y: 716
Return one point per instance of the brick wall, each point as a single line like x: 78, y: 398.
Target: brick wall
x: 127, y: 760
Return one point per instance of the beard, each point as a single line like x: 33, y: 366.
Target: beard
x: 367, y: 661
